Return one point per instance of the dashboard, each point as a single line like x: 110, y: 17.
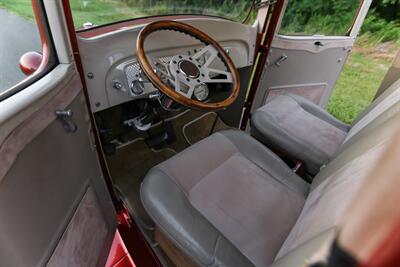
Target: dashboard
x: 114, y: 76
x: 126, y: 81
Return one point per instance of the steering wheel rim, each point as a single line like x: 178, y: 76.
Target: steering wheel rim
x: 156, y: 80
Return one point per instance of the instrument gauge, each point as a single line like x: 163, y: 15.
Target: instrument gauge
x: 201, y: 92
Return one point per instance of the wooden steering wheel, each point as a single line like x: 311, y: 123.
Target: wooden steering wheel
x: 188, y: 73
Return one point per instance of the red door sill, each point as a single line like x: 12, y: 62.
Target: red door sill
x: 119, y: 255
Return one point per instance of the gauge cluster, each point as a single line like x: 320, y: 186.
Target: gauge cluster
x: 126, y: 82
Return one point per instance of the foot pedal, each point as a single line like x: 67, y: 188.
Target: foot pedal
x: 166, y: 136
x: 138, y: 124
x: 169, y: 128
x: 157, y: 141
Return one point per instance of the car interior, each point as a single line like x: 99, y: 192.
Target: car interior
x: 197, y: 186
x: 204, y: 184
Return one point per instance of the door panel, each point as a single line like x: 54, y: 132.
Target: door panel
x: 51, y: 178
x: 307, y: 65
x: 296, y: 62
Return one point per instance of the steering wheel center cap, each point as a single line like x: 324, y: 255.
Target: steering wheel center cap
x: 189, y: 69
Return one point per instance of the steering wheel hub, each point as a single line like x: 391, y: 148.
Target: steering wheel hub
x: 189, y: 69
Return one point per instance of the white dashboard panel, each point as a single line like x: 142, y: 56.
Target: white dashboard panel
x: 110, y: 59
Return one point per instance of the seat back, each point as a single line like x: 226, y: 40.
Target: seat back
x: 334, y: 187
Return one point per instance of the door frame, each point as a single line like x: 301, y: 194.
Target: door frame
x: 263, y: 46
x: 140, y: 250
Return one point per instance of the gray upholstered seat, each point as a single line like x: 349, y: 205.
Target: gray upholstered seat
x: 300, y: 129
x: 226, y: 200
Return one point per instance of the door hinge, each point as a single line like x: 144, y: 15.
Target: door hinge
x: 263, y: 49
x: 263, y: 3
x: 65, y: 116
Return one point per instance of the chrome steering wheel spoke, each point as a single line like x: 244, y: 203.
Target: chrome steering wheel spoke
x: 208, y: 53
x: 211, y: 73
x: 189, y: 72
x: 184, y: 86
x: 160, y: 67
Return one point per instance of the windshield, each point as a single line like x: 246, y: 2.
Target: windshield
x: 99, y: 12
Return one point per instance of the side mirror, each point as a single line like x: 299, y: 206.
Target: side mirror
x: 30, y: 62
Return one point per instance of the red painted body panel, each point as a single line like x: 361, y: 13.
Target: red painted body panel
x: 388, y: 254
x: 125, y: 262
x: 30, y: 62
x: 42, y: 31
x: 119, y: 255
x: 142, y: 253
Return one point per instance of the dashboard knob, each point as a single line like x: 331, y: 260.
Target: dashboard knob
x: 117, y: 85
x: 137, y: 87
x: 142, y: 76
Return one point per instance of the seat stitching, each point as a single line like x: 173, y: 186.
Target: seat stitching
x: 215, y: 248
x: 222, y: 211
x: 186, y: 247
x: 211, y: 170
x: 245, y: 229
x: 222, y: 162
x: 175, y: 182
x: 315, y: 115
x: 268, y: 172
x: 295, y: 138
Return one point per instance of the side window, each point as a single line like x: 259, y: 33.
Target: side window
x: 319, y: 17
x: 19, y: 34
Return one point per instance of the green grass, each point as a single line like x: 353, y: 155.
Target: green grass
x: 21, y: 8
x: 98, y: 12
x: 102, y: 12
x: 378, y: 30
x: 357, y: 85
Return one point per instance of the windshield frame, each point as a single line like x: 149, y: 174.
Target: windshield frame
x: 151, y: 18
x: 128, y: 23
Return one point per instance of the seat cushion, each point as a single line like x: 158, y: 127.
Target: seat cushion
x: 226, y: 200
x: 297, y: 127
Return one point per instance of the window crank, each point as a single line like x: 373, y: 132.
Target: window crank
x: 65, y: 117
x: 280, y: 60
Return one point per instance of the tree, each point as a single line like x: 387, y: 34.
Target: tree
x: 387, y: 9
